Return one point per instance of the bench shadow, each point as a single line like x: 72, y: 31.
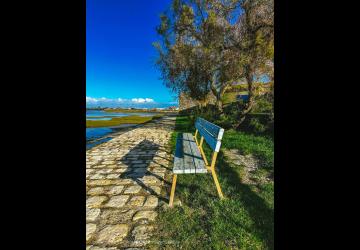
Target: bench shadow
x: 145, y: 152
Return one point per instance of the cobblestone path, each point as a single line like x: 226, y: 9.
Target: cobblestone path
x: 125, y: 183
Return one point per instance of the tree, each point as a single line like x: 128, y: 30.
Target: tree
x: 192, y: 58
x: 253, y: 38
x: 207, y: 45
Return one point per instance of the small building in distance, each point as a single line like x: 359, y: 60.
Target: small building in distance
x: 172, y: 108
x: 243, y: 97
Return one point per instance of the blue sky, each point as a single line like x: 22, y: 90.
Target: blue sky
x: 120, y: 57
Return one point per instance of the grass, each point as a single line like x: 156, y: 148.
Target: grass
x: 120, y: 120
x: 260, y: 146
x: 230, y: 97
x: 244, y: 220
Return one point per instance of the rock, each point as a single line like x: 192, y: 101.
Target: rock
x: 117, y: 201
x: 95, y: 201
x: 104, y: 171
x: 136, y: 201
x: 112, y: 235
x: 108, y: 182
x: 96, y: 191
x: 89, y: 171
x: 109, y: 162
x: 149, y: 215
x: 111, y: 216
x: 148, y: 179
x: 90, y: 230
x: 97, y: 177
x: 154, y: 189
x: 142, y: 232
x: 115, y: 190
x: 151, y: 201
x: 119, y: 170
x: 132, y: 189
x: 112, y: 176
x: 92, y: 214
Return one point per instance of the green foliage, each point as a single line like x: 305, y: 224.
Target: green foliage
x: 257, y: 125
x: 263, y: 106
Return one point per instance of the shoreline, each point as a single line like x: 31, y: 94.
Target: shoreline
x: 118, y: 131
x: 116, y: 121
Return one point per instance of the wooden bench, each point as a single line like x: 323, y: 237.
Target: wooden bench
x: 189, y: 155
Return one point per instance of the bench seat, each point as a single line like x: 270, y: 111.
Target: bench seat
x: 188, y: 158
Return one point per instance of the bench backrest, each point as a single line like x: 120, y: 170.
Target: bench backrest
x: 211, y: 133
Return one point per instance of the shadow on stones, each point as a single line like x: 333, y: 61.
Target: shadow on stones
x: 138, y: 160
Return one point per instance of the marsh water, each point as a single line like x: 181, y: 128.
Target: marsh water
x: 95, y: 136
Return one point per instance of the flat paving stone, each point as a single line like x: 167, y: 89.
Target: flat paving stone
x: 142, y: 232
x: 149, y: 215
x: 112, y: 235
x: 151, y: 201
x: 136, y: 201
x: 115, y: 190
x: 92, y: 214
x: 117, y: 216
x: 90, y: 230
x: 132, y: 190
x: 95, y: 201
x: 117, y: 201
x: 95, y: 191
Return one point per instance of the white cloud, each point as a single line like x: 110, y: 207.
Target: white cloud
x: 142, y: 100
x: 92, y: 100
x: 126, y: 103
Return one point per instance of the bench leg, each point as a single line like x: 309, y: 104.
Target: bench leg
x: 172, y: 191
x: 217, y: 183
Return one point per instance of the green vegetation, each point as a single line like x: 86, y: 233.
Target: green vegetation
x: 230, y: 97
x: 230, y: 94
x: 260, y: 146
x: 120, y: 120
x: 244, y: 220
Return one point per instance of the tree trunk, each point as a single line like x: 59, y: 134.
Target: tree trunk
x: 250, y: 103
x: 217, y: 95
x: 219, y: 105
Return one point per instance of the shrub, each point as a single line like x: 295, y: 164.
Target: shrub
x: 257, y: 126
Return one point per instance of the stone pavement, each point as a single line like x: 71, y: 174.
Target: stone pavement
x: 125, y: 180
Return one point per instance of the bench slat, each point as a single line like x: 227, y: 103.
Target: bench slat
x: 189, y: 166
x: 199, y: 162
x: 178, y: 158
x: 211, y: 141
x: 187, y: 156
x: 213, y: 129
